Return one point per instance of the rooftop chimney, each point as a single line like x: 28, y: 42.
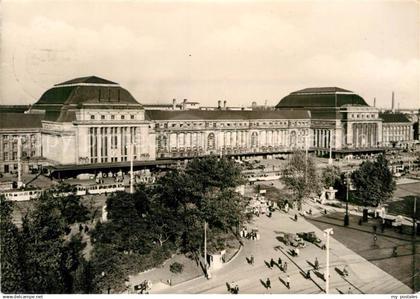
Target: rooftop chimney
x: 224, y: 104
x: 184, y: 104
x: 393, y: 103
x: 374, y: 102
x: 173, y: 104
x: 219, y: 104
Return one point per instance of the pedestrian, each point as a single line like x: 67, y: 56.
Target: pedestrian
x: 285, y: 267
x: 86, y: 228
x: 279, y: 261
x: 236, y: 289
x: 268, y: 283
x: 296, y: 218
x: 288, y: 281
x: 325, y: 211
x: 394, y: 251
x: 349, y: 291
x: 308, y: 274
x: 252, y: 260
x: 80, y: 228
x: 297, y: 251
x: 271, y: 263
x: 316, y: 264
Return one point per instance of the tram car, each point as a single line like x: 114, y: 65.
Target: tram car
x: 22, y: 195
x: 25, y: 195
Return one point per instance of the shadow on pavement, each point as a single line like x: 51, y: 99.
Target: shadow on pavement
x: 310, y: 264
x: 282, y: 281
x: 320, y: 275
x: 264, y: 284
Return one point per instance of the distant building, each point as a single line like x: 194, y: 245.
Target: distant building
x: 398, y: 130
x: 340, y: 119
x: 20, y: 134
x: 184, y: 105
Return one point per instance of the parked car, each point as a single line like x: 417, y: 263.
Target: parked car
x: 294, y: 240
x: 309, y: 237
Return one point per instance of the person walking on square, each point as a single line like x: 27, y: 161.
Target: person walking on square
x: 279, y: 262
x: 316, y: 264
x: 285, y: 267
x: 268, y: 283
x: 252, y: 260
x: 288, y: 281
x: 271, y: 263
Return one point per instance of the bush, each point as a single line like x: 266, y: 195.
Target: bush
x: 176, y: 267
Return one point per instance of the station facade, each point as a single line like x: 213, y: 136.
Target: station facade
x: 91, y: 121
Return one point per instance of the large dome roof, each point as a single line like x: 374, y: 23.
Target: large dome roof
x: 332, y: 97
x: 61, y: 101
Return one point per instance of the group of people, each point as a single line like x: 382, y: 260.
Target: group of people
x: 233, y: 290
x: 253, y: 235
x: 268, y: 282
x: 280, y: 264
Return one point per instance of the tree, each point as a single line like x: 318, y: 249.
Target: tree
x: 374, y: 182
x: 11, y: 270
x: 300, y: 176
x: 48, y: 257
x: 331, y: 175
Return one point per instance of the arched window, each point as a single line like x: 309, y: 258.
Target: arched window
x: 254, y: 139
x: 211, y: 141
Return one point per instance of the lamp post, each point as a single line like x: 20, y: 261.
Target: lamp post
x: 330, y: 161
x: 327, y: 233
x: 346, y: 217
x: 207, y: 272
x: 131, y: 167
x: 19, y: 153
x: 306, y: 156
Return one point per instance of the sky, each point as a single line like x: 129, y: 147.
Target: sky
x: 205, y: 51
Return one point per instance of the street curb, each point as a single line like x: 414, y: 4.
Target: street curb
x: 192, y: 279
x: 233, y: 256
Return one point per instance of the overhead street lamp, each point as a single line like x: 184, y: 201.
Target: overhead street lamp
x: 131, y: 145
x: 327, y: 233
x: 206, y: 270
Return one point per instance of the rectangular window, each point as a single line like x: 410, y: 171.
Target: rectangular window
x: 102, y: 116
x: 112, y: 116
x: 122, y: 117
x: 132, y: 116
x: 92, y: 117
